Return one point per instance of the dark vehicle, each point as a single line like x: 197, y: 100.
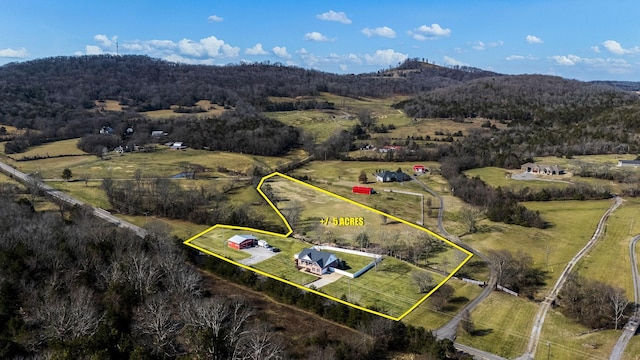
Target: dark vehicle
x: 274, y: 249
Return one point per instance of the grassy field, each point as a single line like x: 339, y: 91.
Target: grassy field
x: 58, y: 148
x: 317, y: 207
x: 502, y: 325
x: 569, y: 340
x: 162, y: 162
x: 426, y: 316
x: 608, y: 261
x: 390, y: 288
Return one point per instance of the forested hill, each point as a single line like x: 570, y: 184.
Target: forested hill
x: 545, y: 99
x: 150, y: 84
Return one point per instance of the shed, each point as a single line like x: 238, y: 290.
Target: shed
x: 419, y: 169
x: 628, y: 162
x: 240, y: 242
x: 362, y: 190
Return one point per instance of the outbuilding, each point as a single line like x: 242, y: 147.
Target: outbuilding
x: 362, y: 190
x: 419, y: 169
x: 240, y: 242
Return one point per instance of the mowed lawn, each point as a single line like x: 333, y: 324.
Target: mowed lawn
x: 502, y: 325
x: 388, y: 288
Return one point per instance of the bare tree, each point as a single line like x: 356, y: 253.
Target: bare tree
x: 154, y: 320
x: 466, y: 322
x: 618, y: 304
x: 441, y: 297
x: 258, y: 344
x: 470, y: 216
x: 423, y: 280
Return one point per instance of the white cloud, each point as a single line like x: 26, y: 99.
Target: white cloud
x: 612, y: 66
x: 334, y: 16
x: 210, y: 46
x: 616, y: 48
x: 14, y: 53
x: 426, y: 32
x: 181, y: 59
x: 344, y: 67
x: 385, y: 57
x: 215, y: 18
x: 281, y: 52
x: 451, y: 61
x: 514, y: 57
x: 479, y: 46
x: 531, y: 39
x: 595, y: 49
x: 383, y: 31
x: 93, y: 50
x: 105, y: 41
x: 154, y: 47
x: 566, y: 60
x: 256, y: 50
x: 316, y: 36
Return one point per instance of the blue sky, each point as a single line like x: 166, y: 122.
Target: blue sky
x: 585, y: 40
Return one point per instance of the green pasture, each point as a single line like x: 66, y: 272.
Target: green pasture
x: 161, y: 162
x: 91, y: 193
x: 389, y: 288
x: 319, y: 124
x: 502, y: 325
x: 428, y: 317
x: 58, y: 148
x: 572, y: 225
x: 633, y: 349
x: 608, y: 261
x: 570, y: 340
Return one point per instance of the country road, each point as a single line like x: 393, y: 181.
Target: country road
x: 448, y: 330
x: 101, y: 213
x: 632, y: 326
x: 538, y: 321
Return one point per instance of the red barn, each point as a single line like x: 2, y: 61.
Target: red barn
x: 240, y: 242
x: 362, y: 190
x: 419, y: 169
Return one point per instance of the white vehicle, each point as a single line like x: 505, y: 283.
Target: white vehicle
x: 263, y: 243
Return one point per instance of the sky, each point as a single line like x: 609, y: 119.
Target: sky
x: 584, y: 40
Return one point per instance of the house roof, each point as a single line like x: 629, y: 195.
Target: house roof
x: 633, y: 162
x: 319, y: 257
x: 238, y: 239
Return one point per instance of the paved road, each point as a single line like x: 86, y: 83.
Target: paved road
x: 449, y: 329
x: 538, y: 321
x: 632, y: 326
x: 49, y: 191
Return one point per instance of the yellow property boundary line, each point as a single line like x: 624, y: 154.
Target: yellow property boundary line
x: 290, y: 230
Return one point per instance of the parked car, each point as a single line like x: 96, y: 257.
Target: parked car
x: 274, y: 249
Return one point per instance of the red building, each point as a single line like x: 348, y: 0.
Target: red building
x: 362, y: 190
x: 419, y: 169
x: 240, y: 242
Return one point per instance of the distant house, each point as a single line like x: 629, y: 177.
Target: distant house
x: 419, y: 169
x: 389, y: 176
x: 106, y: 130
x: 389, y: 148
x: 158, y: 133
x: 315, y: 262
x: 178, y: 146
x: 240, y: 242
x: 362, y: 190
x: 628, y: 162
x: 119, y: 150
x: 542, y: 169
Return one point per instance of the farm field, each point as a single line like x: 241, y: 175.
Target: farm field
x: 163, y: 162
x: 58, y: 148
x: 502, y: 325
x: 501, y: 177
